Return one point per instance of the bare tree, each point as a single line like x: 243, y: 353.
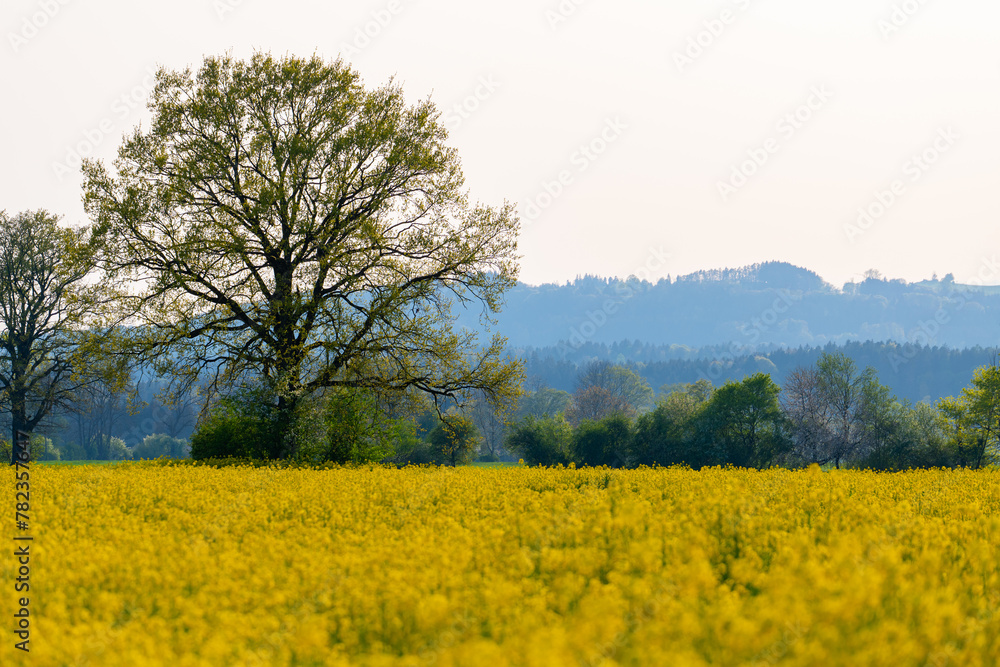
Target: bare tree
x: 491, y: 424
x: 544, y: 402
x: 805, y: 406
x: 844, y: 392
x: 179, y: 415
x: 593, y: 403
x: 623, y: 384
x: 98, y: 410
x: 830, y: 408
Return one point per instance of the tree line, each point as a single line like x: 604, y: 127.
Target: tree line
x: 831, y: 414
x: 915, y: 372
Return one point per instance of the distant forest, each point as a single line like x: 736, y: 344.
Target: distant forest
x: 712, y: 325
x: 755, y: 307
x: 913, y: 372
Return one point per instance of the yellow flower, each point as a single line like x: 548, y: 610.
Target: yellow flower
x: 139, y: 564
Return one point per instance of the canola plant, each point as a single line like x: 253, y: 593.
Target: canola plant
x: 143, y: 564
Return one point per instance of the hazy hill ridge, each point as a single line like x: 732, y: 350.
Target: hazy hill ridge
x: 770, y: 304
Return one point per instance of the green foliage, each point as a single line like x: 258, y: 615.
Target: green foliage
x: 72, y: 451
x: 338, y: 426
x: 744, y: 423
x: 928, y: 431
x: 158, y: 444
x: 973, y: 419
x: 544, y: 441
x: 603, y: 443
x: 667, y: 435
x: 356, y: 429
x: 40, y: 448
x: 243, y: 424
x: 544, y: 402
x: 407, y: 446
x: 887, y: 437
x: 320, y: 246
x: 49, y: 320
x: 114, y: 449
x: 453, y: 440
x: 605, y: 389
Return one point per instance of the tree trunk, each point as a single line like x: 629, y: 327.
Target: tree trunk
x: 285, y: 442
x: 20, y: 439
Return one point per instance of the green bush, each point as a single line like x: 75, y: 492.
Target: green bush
x: 355, y: 429
x: 103, y: 448
x: 453, y: 440
x: 742, y: 425
x: 159, y: 444
x: 407, y: 447
x: 338, y: 426
x: 242, y: 425
x: 72, y: 451
x: 603, y: 443
x: 544, y: 441
x: 39, y: 447
x: 116, y: 449
x: 667, y: 435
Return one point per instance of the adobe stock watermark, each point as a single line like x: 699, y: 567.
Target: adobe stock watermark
x: 579, y: 162
x: 900, y: 16
x: 913, y: 170
x: 462, y: 111
x: 925, y: 334
x: 753, y: 330
x: 771, y: 316
x: 365, y: 34
x: 224, y: 7
x: 93, y: 137
x: 786, y: 128
x: 34, y: 23
x: 562, y: 12
x: 712, y: 30
x: 597, y: 318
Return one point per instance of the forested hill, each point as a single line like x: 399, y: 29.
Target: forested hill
x: 766, y: 304
x: 913, y: 372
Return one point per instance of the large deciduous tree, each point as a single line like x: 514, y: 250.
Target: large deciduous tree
x: 605, y: 389
x: 974, y: 418
x: 669, y: 434
x: 454, y: 440
x: 46, y: 314
x: 840, y: 415
x: 623, y: 383
x: 278, y: 220
x: 745, y: 422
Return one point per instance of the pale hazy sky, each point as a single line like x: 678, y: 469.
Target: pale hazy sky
x: 637, y: 136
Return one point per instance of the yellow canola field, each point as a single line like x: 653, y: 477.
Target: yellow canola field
x: 139, y: 564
